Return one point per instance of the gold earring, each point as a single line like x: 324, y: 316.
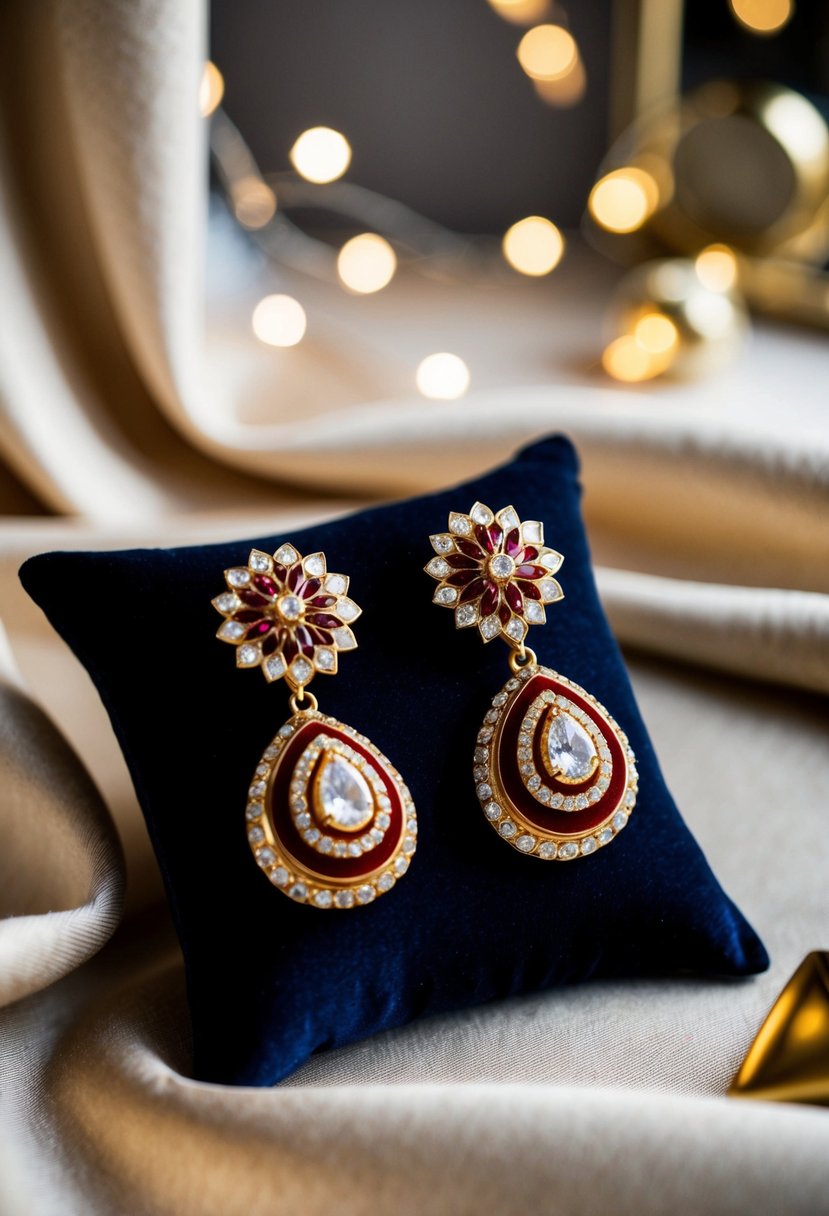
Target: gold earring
x: 554, y: 773
x: 329, y: 818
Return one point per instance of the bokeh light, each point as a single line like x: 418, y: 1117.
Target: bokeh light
x: 716, y: 268
x: 533, y: 245
x: 254, y: 203
x: 279, y: 321
x: 321, y: 155
x: 443, y: 377
x: 627, y: 360
x: 366, y: 263
x: 763, y: 16
x: 624, y: 199
x: 547, y: 52
x: 521, y: 12
x: 565, y: 90
x: 656, y: 333
x: 211, y: 89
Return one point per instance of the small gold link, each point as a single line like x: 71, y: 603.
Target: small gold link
x: 303, y: 702
x: 520, y: 657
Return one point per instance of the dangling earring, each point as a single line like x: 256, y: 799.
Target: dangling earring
x: 329, y: 818
x: 554, y: 774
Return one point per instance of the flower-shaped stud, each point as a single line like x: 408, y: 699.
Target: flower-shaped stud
x: 287, y: 615
x: 495, y: 572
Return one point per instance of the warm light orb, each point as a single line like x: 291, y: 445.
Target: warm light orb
x: 443, y: 377
x: 279, y: 321
x: 321, y: 155
x: 211, y: 89
x: 366, y: 263
x: 623, y: 200
x: 547, y: 52
x: 626, y: 360
x: 716, y: 268
x: 521, y: 12
x: 763, y: 16
x: 564, y: 91
x: 254, y: 203
x: 533, y: 246
x: 656, y: 333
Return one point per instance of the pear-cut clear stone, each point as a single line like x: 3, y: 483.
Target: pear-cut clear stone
x: 571, y: 750
x: 344, y: 796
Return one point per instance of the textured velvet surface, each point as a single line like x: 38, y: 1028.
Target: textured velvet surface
x: 270, y: 981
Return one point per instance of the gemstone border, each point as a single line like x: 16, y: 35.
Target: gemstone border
x: 299, y: 802
x: 532, y: 778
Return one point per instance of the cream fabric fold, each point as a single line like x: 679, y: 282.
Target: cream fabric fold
x: 133, y: 396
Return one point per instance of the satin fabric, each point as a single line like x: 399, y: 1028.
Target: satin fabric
x: 137, y: 409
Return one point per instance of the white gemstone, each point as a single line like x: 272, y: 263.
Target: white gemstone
x: 581, y: 802
x: 516, y: 628
x: 500, y: 699
x: 383, y: 820
x: 344, y: 899
x: 367, y: 842
x: 258, y: 561
x: 446, y: 595
x: 534, y: 612
x: 619, y: 820
x: 630, y: 798
x: 525, y: 843
x: 256, y: 835
x: 275, y: 667
x: 594, y: 794
x: 571, y: 750
x: 227, y: 602
x: 533, y: 783
x: 481, y: 514
x: 254, y: 810
x: 507, y: 828
x: 409, y: 844
x: 480, y: 755
x: 323, y: 899
x: 550, y: 560
x: 569, y: 804
x: 345, y: 798
x: 290, y: 607
x: 556, y: 800
x: 501, y: 565
x: 507, y: 518
x: 442, y: 542
x: 257, y: 790
x: 491, y: 715
x: 325, y: 845
x: 266, y: 857
x: 588, y: 845
x: 344, y: 639
x: 286, y: 731
x: 248, y: 656
x: 490, y: 627
x: 604, y: 835
x: 324, y: 658
x: 566, y: 851
x: 314, y: 565
x: 347, y: 610
x: 238, y: 577
x: 602, y: 784
x: 355, y: 849
x: 302, y: 820
x: 532, y: 532
x: 484, y: 791
x: 401, y: 865
x: 485, y: 734
x: 301, y: 669
x: 385, y: 882
x: 336, y: 584
x: 543, y: 795
x: 365, y: 894
x: 459, y: 524
x: 550, y: 591
x: 231, y: 631
x: 280, y: 877
x: 492, y: 810
x: 298, y: 891
x: 339, y: 849
x: 286, y: 555
x: 548, y: 849
x: 311, y: 836
x: 439, y: 568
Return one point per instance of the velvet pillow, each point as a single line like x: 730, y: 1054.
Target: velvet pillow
x: 270, y: 981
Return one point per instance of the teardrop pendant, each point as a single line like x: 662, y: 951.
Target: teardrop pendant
x: 555, y: 774
x: 330, y: 820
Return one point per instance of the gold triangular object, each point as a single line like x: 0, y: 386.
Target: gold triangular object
x: 789, y: 1059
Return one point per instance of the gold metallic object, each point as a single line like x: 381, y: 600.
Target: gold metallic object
x: 789, y: 1059
x: 554, y: 773
x: 329, y: 819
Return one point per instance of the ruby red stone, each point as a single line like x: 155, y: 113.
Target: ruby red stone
x: 459, y: 561
x: 504, y: 613
x: 278, y: 808
x: 530, y: 554
x: 279, y: 572
x: 461, y: 577
x: 325, y: 620
x: 469, y: 548
x: 529, y: 590
x: 512, y: 544
x: 266, y: 584
x: 289, y: 647
x: 484, y: 539
x: 312, y: 585
x: 247, y: 615
x: 296, y: 577
x: 514, y: 598
x: 259, y: 629
x: 496, y: 535
x: 528, y: 571
x: 321, y: 636
x: 323, y: 601
x: 473, y: 590
x: 489, y: 600
x: 304, y: 640
x: 269, y: 645
x: 253, y: 597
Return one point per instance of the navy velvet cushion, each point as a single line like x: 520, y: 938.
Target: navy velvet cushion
x: 271, y: 981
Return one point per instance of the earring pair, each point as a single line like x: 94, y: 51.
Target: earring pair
x: 329, y: 818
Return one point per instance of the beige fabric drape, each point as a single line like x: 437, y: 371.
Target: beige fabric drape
x: 136, y: 408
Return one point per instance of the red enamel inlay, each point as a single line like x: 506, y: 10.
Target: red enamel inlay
x: 283, y: 825
x: 562, y: 823
x: 512, y: 544
x: 266, y: 584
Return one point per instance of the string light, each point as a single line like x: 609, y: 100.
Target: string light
x: 533, y: 246
x: 321, y: 155
x: 716, y: 268
x: 443, y: 377
x: 763, y: 16
x: 211, y: 89
x: 623, y: 200
x: 366, y: 263
x: 279, y: 321
x: 547, y: 52
x: 521, y: 12
x: 254, y: 203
